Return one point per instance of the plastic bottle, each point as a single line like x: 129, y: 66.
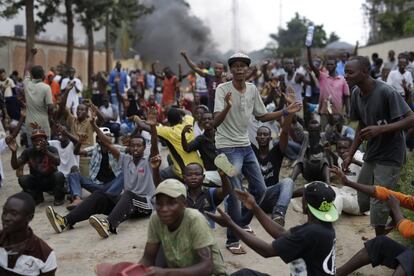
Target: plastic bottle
x: 309, y: 36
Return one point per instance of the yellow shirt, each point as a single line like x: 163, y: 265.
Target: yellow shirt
x: 172, y: 135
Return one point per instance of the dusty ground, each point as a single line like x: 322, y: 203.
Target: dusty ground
x: 79, y: 250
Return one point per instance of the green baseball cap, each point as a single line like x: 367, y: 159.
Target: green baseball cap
x: 320, y: 197
x: 172, y: 188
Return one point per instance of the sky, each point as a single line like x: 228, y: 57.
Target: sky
x: 258, y: 18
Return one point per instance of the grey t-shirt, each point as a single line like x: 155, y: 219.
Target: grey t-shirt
x: 233, y: 131
x: 137, y: 178
x: 38, y: 96
x: 382, y: 106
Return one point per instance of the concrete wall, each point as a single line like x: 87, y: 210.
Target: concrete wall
x: 50, y: 54
x: 400, y: 45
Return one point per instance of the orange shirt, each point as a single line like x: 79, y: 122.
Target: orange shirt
x: 168, y: 91
x: 405, y: 226
x: 55, y: 87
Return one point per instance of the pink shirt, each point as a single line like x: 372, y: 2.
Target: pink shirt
x: 336, y: 87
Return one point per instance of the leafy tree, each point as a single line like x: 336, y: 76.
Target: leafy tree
x: 119, y: 21
x: 333, y: 37
x: 45, y: 10
x: 389, y: 19
x: 291, y: 40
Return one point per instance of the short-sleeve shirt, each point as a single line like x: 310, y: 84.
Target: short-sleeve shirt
x: 40, y: 164
x: 335, y: 87
x: 137, y: 178
x: 180, y: 246
x: 395, y: 79
x: 73, y: 97
x: 381, y: 106
x: 36, y: 258
x: 68, y: 159
x: 38, y: 96
x: 8, y: 85
x: 207, y: 149
x: 270, y: 165
x: 233, y: 131
x: 314, y: 244
x: 172, y: 136
x: 76, y: 127
x: 206, y: 201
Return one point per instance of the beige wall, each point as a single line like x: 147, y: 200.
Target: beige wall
x: 400, y: 45
x: 12, y: 55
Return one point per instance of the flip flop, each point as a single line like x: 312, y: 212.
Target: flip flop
x: 236, y: 248
x: 248, y: 229
x: 224, y: 164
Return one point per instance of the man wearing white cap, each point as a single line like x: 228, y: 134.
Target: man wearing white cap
x: 235, y: 102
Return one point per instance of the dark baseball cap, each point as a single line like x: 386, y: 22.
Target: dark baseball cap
x: 320, y: 197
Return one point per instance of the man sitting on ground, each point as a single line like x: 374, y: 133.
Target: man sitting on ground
x: 270, y: 161
x: 182, y: 233
x: 43, y: 161
x: 136, y: 199
x: 22, y: 252
x: 335, y: 129
x: 313, y: 162
x: 310, y: 248
x: 104, y: 171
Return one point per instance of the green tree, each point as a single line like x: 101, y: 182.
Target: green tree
x: 292, y: 39
x: 332, y: 37
x: 389, y: 19
x: 119, y: 22
x: 92, y: 17
x: 45, y: 10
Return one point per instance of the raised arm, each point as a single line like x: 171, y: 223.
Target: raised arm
x: 284, y: 135
x: 184, y: 142
x: 22, y: 119
x: 193, y: 66
x: 82, y: 140
x: 310, y: 62
x: 14, y: 161
x: 154, y: 71
x: 29, y: 62
x: 271, y: 116
x: 63, y: 100
x: 106, y: 141
x: 224, y: 190
x: 220, y: 116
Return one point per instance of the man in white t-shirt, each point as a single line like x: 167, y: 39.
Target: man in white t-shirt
x: 346, y: 197
x: 68, y: 160
x: 110, y: 116
x: 401, y: 79
x: 75, y: 93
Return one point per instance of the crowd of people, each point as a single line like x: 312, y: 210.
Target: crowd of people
x: 228, y: 128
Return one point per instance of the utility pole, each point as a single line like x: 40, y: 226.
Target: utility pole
x: 235, y: 35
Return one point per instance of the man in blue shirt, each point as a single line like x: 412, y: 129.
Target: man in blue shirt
x: 119, y: 78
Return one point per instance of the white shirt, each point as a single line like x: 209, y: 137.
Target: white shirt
x: 109, y: 112
x: 395, y: 79
x: 3, y: 147
x: 8, y: 84
x: 293, y: 85
x: 73, y: 97
x: 67, y: 158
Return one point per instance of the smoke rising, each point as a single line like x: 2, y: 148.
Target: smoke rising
x: 170, y: 29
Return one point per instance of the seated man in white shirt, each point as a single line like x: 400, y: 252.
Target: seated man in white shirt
x: 346, y: 197
x: 69, y: 162
x: 110, y: 116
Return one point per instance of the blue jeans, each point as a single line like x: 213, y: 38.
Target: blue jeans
x: 292, y: 150
x: 277, y: 197
x: 76, y: 182
x: 244, y: 160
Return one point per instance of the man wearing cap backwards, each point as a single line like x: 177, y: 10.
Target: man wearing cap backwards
x: 183, y: 234
x: 43, y: 161
x: 310, y: 248
x: 136, y: 199
x: 235, y: 102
